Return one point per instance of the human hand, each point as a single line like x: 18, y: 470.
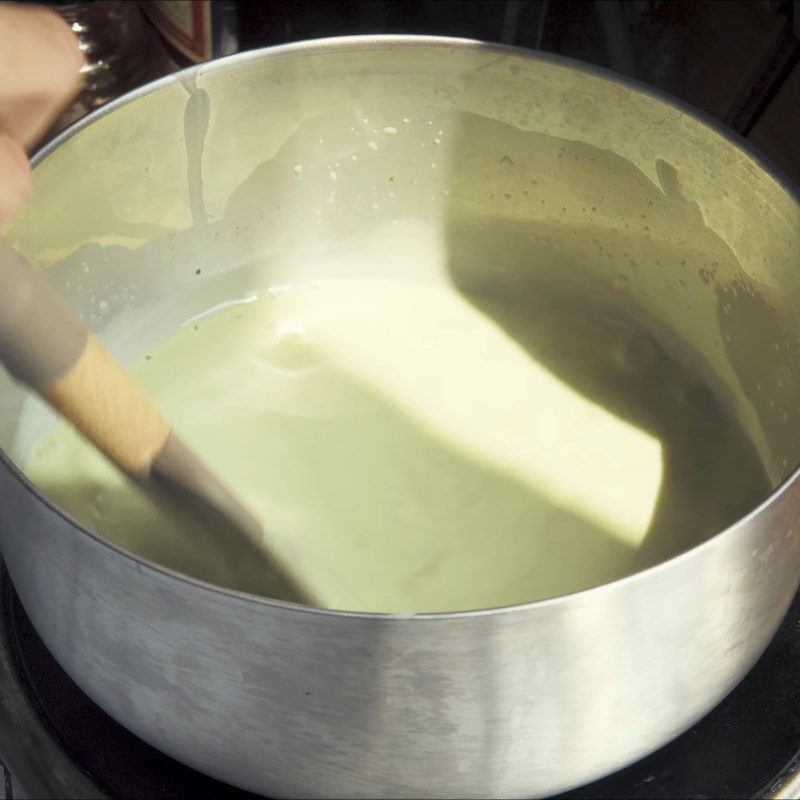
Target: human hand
x: 39, y: 73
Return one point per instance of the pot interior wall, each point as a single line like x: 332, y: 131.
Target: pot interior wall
x: 458, y: 166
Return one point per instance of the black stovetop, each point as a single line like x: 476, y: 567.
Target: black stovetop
x: 54, y: 742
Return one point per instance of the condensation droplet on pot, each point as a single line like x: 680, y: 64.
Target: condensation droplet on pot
x: 298, y: 170
x: 406, y: 120
x: 372, y: 145
x: 333, y: 176
x: 437, y: 140
x: 354, y: 157
x: 390, y: 130
x: 104, y: 305
x: 507, y: 161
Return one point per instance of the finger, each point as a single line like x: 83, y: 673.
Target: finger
x: 40, y: 63
x: 16, y: 182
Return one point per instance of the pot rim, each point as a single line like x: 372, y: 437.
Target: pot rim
x: 336, y: 43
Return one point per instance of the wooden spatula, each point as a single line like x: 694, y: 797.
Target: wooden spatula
x: 44, y: 344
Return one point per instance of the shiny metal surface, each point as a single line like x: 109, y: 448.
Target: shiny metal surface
x: 516, y: 702
x: 786, y: 785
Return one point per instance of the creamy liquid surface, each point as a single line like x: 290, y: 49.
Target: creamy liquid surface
x: 414, y: 450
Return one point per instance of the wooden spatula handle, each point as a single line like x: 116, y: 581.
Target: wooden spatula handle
x: 46, y: 345
x: 99, y: 398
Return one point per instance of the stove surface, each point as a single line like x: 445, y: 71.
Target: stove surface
x: 55, y: 742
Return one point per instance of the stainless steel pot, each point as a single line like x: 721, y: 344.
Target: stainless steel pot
x: 191, y: 172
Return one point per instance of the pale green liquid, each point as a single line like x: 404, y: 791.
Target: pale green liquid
x: 411, y: 450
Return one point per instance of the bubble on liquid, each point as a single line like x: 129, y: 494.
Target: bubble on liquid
x: 372, y: 145
x: 620, y: 280
x: 333, y: 176
x: 390, y: 130
x: 636, y: 352
x: 437, y: 140
x: 104, y: 305
x: 695, y: 393
x: 298, y: 169
x: 406, y: 120
x: 277, y: 292
x: 507, y: 161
